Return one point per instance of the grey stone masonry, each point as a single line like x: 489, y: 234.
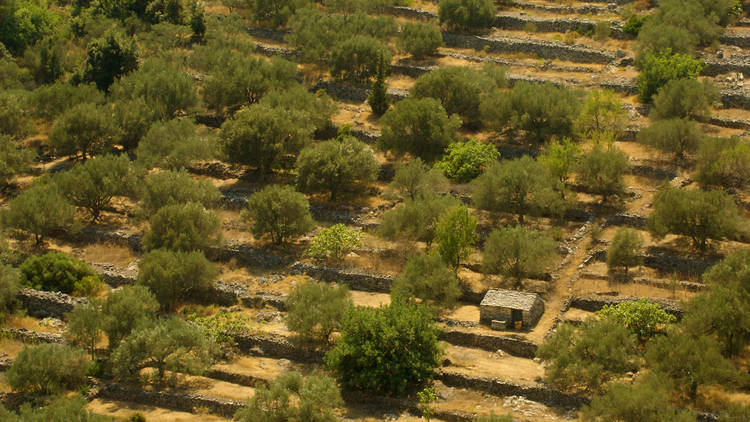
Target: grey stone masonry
x: 499, y: 304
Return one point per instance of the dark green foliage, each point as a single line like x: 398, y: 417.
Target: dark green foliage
x: 183, y: 227
x: 518, y: 252
x: 416, y: 179
x: 378, y: 98
x: 723, y: 162
x: 93, y: 184
x: 588, y: 356
x: 645, y: 319
x: 657, y: 69
x: 420, y: 127
x: 84, y: 129
x: 294, y: 397
x: 697, y: 214
x: 521, y: 187
x: 455, y: 234
x: 172, y: 145
x: 685, y: 362
x: 23, y: 23
x: 415, y: 219
x: 684, y: 98
x: 61, y: 409
x: 47, y: 369
x: 634, y: 24
x: 9, y: 285
x: 625, y: 250
x: 386, y: 350
x: 601, y: 171
x: 14, y: 159
x: 109, y: 58
x: 126, y: 309
x: 58, y: 272
x: 464, y: 161
x: 316, y: 33
x: 259, y: 135
x: 458, y: 89
x: 197, y: 25
x: 175, y: 187
x: 85, y: 325
x: 168, y: 345
x: 722, y: 313
x: 14, y: 114
x: 420, y: 39
x: 357, y: 58
x: 133, y: 119
x: 541, y: 111
x: 280, y: 212
x: 49, y: 101
x: 339, y: 165
x: 45, y: 61
x: 175, y: 276
x: 466, y: 15
x: 236, y: 80
x: 272, y: 13
x: 316, y: 310
x: 165, y: 88
x: 640, y: 402
x: 39, y: 211
x: 315, y: 108
x: 428, y: 278
x: 674, y: 136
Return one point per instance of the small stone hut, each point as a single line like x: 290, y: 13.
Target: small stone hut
x: 509, y: 306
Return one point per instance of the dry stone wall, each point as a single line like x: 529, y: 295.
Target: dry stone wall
x: 40, y: 304
x: 513, y: 345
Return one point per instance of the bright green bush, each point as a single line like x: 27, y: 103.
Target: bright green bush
x: 645, y: 319
x: 334, y: 243
x: 58, y: 272
x: 464, y: 161
x: 657, y: 69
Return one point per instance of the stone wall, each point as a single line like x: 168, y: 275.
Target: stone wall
x: 543, y: 49
x: 537, y: 393
x: 40, y: 304
x: 593, y: 303
x: 562, y: 25
x: 277, y: 347
x: 353, y: 93
x: 512, y: 345
x: 174, y: 400
x: 354, y: 279
x: 34, y: 337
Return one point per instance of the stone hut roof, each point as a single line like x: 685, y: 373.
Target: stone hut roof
x: 509, y: 299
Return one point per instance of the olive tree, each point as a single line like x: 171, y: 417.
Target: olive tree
x: 601, y: 112
x: 416, y: 179
x: 678, y: 137
x: 175, y: 187
x: 334, y: 166
x: 108, y: 58
x: 14, y: 159
x: 697, y: 214
x: 83, y: 129
x: 183, y: 227
x: 625, y: 250
x: 723, y: 162
x: 428, y: 278
x: 93, y: 184
x: 316, y: 310
x: 466, y: 15
x: 415, y: 219
x: 172, y: 144
x: 420, y: 39
x: 357, y: 58
x: 174, y: 276
x: 684, y: 98
x: 280, y: 212
x: 39, y: 211
x: 601, y: 171
x: 47, y: 369
x: 518, y: 252
x: 455, y: 234
x: 126, y: 309
x: 420, y: 127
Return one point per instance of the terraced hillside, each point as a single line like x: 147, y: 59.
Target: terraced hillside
x: 201, y: 109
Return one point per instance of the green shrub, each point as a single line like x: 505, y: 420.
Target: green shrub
x: 415, y: 219
x: 175, y: 187
x: 316, y: 310
x: 639, y: 402
x: 39, y: 211
x: 455, y: 235
x: 602, y: 171
x: 9, y: 286
x: 420, y: 39
x: 183, y: 227
x: 334, y: 243
x: 420, y: 127
x: 172, y: 145
x: 416, y: 179
x: 49, y: 101
x: 61, y: 409
x: 48, y: 369
x: 645, y: 319
x: 58, y: 272
x: 684, y: 98
x: 13, y: 159
x: 344, y: 164
x: 657, y: 69
x: 125, y: 310
x: 602, y: 113
x: 464, y: 161
x: 625, y: 250
x: 674, y: 136
x: 107, y: 59
x: 84, y: 129
x: 175, y: 276
x: 357, y: 58
x: 294, y: 397
x: 272, y: 13
x: 428, y: 278
x: 466, y: 15
x: 634, y: 24
x: 386, y: 350
x: 518, y: 252
x: 723, y: 162
x: 280, y: 212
